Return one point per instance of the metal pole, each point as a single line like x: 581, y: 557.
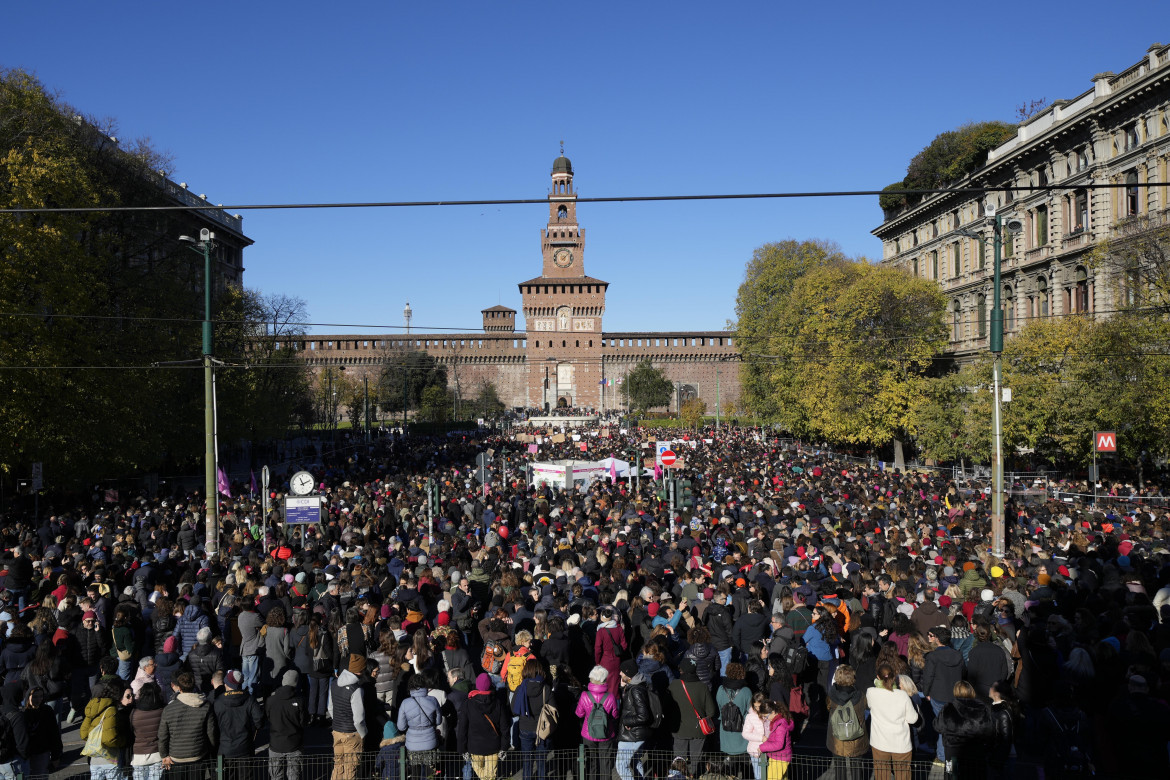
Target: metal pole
x: 405, y: 392
x: 211, y: 529
x: 998, y: 531
x: 1096, y: 474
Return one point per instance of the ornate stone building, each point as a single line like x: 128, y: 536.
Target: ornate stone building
x: 1117, y: 132
x: 563, y: 357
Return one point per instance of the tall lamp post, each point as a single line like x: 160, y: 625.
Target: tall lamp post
x: 203, y: 246
x: 995, y: 344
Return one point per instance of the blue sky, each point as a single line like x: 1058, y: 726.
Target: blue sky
x: 263, y: 102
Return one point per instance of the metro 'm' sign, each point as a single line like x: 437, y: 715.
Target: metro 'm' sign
x: 1105, y: 441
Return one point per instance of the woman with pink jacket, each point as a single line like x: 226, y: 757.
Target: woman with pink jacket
x: 599, y: 752
x: 778, y: 746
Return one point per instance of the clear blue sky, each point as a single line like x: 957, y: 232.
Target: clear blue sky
x: 262, y: 102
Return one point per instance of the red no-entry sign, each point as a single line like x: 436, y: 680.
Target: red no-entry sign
x: 1105, y: 441
x: 668, y: 458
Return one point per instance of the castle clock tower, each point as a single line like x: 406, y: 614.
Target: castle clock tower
x: 563, y: 308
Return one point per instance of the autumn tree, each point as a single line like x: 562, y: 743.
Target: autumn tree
x: 435, y: 404
x: 849, y: 351
x: 487, y: 403
x: 408, y: 372
x: 693, y: 411
x: 759, y: 308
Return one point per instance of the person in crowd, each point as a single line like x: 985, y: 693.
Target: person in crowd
x: 187, y: 732
x: 777, y: 748
x: 238, y: 718
x: 104, y: 712
x: 249, y: 622
x: 1005, y: 714
x: 287, y: 715
x: 529, y: 700
x: 145, y: 719
x: 482, y: 731
x: 734, y: 692
x: 597, y: 709
x: 636, y: 726
x: 419, y: 719
x: 691, y: 705
x: 44, y: 735
x: 942, y: 668
x: 846, y: 736
x: 892, y: 715
x: 967, y: 731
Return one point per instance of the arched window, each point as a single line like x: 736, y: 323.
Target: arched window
x: 934, y: 264
x: 1081, y: 291
x: 957, y: 320
x: 981, y: 315
x: 562, y: 212
x: 915, y: 266
x: 1009, y: 307
x: 1042, y: 295
x: 1131, y: 194
x: 956, y: 259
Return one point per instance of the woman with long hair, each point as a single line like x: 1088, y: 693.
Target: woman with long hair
x: 321, y: 645
x: 278, y: 658
x: 44, y: 735
x: 47, y: 671
x: 420, y: 654
x: 145, y: 718
x: 892, y: 714
x: 778, y: 745
x: 124, y: 647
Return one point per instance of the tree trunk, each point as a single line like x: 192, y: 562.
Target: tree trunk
x: 899, y: 456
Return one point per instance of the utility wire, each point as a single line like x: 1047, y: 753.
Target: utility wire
x: 604, y: 199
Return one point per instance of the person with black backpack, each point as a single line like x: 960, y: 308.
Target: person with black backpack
x: 733, y: 699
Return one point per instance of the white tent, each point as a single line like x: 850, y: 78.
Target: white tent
x: 622, y: 467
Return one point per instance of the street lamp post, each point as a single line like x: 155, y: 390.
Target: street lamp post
x: 211, y: 539
x: 995, y: 345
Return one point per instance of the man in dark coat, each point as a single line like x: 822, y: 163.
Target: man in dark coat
x: 286, y: 723
x: 943, y: 668
x: 238, y: 718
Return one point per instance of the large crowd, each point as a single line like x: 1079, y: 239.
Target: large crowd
x: 799, y: 603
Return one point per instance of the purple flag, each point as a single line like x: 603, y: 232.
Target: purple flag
x: 221, y: 483
x: 252, y: 487
x: 613, y: 471
x: 657, y: 471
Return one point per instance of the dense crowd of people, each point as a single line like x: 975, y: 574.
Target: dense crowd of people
x: 800, y: 603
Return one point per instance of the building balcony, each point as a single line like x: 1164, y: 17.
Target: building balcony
x: 1038, y: 253
x: 1078, y: 238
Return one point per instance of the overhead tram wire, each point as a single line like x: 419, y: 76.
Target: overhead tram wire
x: 601, y: 199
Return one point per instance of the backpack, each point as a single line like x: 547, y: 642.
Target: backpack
x: 1069, y: 757
x: 597, y: 724
x: 514, y: 668
x: 546, y: 722
x: 492, y: 659
x: 656, y: 715
x: 845, y: 724
x: 797, y: 704
x: 731, y: 717
x: 796, y: 656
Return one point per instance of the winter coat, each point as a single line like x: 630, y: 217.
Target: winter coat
x: 749, y: 628
x: 302, y: 654
x: 837, y: 698
x: 554, y: 651
x: 609, y: 647
x: 927, y: 616
x: 706, y: 659
x: 188, y: 729
x: 483, y: 726
x: 205, y: 660
x: 658, y: 675
x: 278, y: 655
x: 248, y: 624
x: 817, y: 646
x: 597, y: 696
x: 1005, y: 734
x: 286, y: 713
x: 418, y: 718
x: 987, y: 664
x: 16, y: 655
x: 891, y: 713
x: 145, y: 724
x: 238, y: 717
x: 778, y: 745
x: 719, y: 625
x: 44, y: 735
x: 458, y: 659
x: 166, y: 665
x: 637, y: 717
x: 943, y: 668
x: 188, y: 627
x: 91, y: 645
x: 103, y: 710
x: 161, y: 627
x: 732, y: 742
x: 754, y: 733
x: 535, y: 692
x: 681, y: 718
x: 966, y: 728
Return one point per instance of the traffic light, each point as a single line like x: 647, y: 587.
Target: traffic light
x: 433, y: 496
x: 686, y: 498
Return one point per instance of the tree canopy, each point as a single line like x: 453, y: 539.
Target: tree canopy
x: 647, y: 387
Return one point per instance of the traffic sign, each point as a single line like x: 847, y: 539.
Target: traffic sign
x: 668, y: 458
x: 1105, y: 441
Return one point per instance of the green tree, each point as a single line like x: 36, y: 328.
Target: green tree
x: 759, y: 309
x: 647, y: 387
x: 951, y: 418
x: 409, y: 371
x: 435, y: 404
x: 488, y: 404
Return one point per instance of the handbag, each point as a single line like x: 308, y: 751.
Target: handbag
x: 93, y: 747
x: 123, y: 655
x: 797, y: 704
x: 705, y: 724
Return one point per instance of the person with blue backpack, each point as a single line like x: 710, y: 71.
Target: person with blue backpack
x: 598, y: 710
